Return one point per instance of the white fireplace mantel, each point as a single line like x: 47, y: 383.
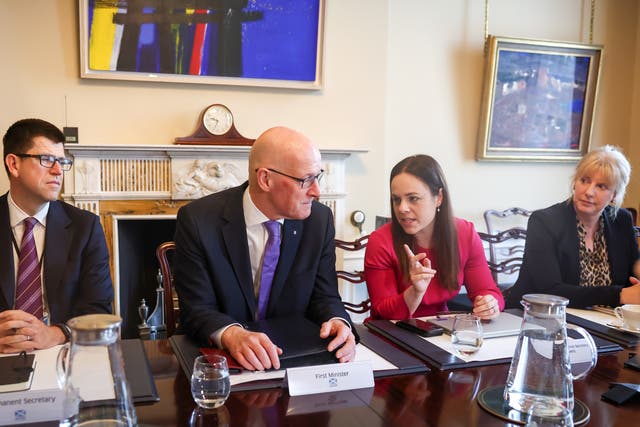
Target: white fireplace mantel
x: 179, y: 172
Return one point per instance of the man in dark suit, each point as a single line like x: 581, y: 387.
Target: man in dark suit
x: 70, y: 274
x: 220, y: 246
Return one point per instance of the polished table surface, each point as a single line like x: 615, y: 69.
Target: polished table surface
x: 437, y: 398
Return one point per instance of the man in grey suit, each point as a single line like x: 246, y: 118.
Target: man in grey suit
x: 70, y: 273
x: 221, y: 242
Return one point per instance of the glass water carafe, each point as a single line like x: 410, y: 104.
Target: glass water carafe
x: 91, y: 373
x: 540, y: 373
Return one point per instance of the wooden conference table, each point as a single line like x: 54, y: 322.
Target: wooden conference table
x: 437, y: 398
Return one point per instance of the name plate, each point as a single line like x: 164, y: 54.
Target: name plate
x: 579, y: 351
x: 329, y: 378
x: 31, y: 406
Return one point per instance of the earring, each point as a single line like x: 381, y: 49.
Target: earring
x: 438, y: 209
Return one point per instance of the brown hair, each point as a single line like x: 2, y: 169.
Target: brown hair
x: 445, y: 236
x: 19, y: 137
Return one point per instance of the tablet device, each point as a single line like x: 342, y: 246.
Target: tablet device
x: 16, y: 372
x: 504, y: 325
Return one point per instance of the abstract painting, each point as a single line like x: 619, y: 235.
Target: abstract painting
x: 539, y: 100
x: 238, y: 42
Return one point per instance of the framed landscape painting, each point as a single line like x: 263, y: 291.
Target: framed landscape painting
x: 272, y: 43
x: 538, y: 101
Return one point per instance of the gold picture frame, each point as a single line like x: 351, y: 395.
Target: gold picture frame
x: 538, y: 100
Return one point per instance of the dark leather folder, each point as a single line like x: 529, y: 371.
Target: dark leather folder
x: 186, y: 351
x: 299, y: 339
x: 138, y: 372
x: 444, y: 360
x: 626, y: 339
x: 16, y: 372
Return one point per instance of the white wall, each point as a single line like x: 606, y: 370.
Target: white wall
x: 401, y: 77
x: 40, y: 67
x: 435, y: 87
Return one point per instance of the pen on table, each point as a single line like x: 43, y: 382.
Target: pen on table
x: 451, y: 313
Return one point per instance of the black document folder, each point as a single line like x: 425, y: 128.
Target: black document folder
x: 626, y: 339
x: 16, y: 372
x: 187, y: 350
x: 444, y: 360
x: 138, y: 372
x: 299, y: 339
x: 405, y: 363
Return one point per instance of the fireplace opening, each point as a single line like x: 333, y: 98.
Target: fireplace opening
x: 136, y: 266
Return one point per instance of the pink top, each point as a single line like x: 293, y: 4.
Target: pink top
x: 386, y: 285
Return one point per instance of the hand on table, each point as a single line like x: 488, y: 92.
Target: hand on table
x: 486, y: 307
x: 253, y: 350
x: 20, y: 331
x: 343, y: 339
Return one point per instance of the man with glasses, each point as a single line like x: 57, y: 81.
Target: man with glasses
x: 54, y: 263
x: 264, y: 249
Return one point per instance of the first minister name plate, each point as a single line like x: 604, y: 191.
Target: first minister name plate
x: 327, y: 378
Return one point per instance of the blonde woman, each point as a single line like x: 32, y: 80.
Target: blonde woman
x: 584, y: 248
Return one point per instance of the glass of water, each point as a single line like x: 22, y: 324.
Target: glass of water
x: 210, y: 385
x: 466, y: 334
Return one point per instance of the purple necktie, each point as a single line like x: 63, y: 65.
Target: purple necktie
x: 269, y: 264
x: 29, y: 288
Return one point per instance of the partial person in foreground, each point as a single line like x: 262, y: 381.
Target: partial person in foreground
x: 54, y: 263
x: 224, y: 249
x: 584, y: 248
x: 422, y: 258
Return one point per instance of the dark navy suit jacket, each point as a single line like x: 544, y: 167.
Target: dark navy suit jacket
x: 212, y: 270
x: 551, y: 264
x: 76, y: 272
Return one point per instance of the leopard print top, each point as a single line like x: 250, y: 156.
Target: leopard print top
x: 594, y: 264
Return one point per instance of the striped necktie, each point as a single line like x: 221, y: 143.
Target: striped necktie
x: 29, y: 288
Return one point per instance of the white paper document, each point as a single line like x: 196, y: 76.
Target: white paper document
x: 95, y: 380
x: 505, y: 347
x: 363, y: 353
x: 492, y: 348
x: 44, y: 400
x: 594, y: 316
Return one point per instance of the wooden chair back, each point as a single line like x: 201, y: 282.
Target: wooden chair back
x: 354, y: 277
x: 497, y: 220
x: 506, y: 250
x: 164, y: 255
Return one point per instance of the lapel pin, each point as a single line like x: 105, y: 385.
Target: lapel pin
x: 295, y: 232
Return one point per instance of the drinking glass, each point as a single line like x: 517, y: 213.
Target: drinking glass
x: 210, y: 385
x: 466, y: 334
x: 540, y: 416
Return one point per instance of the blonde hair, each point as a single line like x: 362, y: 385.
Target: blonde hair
x: 612, y: 165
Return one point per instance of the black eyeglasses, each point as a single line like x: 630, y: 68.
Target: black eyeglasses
x: 48, y: 160
x: 304, y: 182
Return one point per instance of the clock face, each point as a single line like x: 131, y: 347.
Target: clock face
x: 217, y: 119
